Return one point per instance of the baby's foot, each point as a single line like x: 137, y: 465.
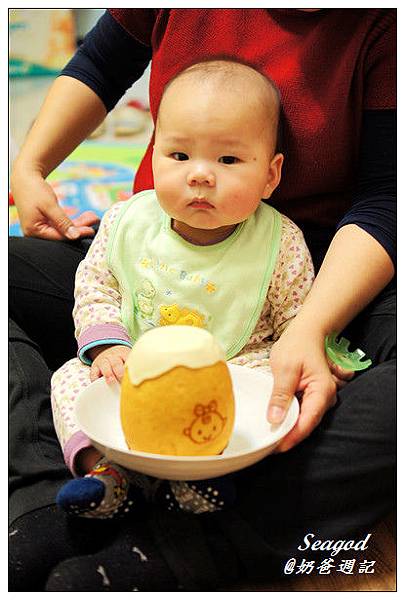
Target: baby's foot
x: 101, y: 494
x: 199, y: 496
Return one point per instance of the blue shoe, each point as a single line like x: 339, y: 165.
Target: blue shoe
x: 101, y: 494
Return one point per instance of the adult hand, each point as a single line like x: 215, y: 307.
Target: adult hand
x: 300, y: 367
x: 40, y: 214
x: 108, y: 361
x: 340, y: 375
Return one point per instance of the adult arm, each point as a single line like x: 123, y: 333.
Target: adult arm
x: 70, y: 112
x: 78, y: 101
x: 357, y: 266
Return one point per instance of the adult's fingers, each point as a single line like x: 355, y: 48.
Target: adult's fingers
x: 314, y: 405
x: 285, y: 385
x: 88, y: 217
x: 340, y: 373
x: 61, y: 222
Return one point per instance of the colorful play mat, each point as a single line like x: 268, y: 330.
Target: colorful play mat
x: 93, y: 177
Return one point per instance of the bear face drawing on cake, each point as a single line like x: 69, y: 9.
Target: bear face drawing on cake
x: 207, y: 425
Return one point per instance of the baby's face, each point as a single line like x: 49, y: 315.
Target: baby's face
x: 212, y: 160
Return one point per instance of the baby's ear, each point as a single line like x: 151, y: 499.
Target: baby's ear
x: 274, y: 174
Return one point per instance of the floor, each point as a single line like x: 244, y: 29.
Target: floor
x: 382, y: 550
x: 26, y: 96
x: 101, y: 170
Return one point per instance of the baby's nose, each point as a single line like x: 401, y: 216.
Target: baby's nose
x: 201, y: 175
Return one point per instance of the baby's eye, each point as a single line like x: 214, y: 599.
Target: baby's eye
x: 179, y: 156
x: 228, y: 160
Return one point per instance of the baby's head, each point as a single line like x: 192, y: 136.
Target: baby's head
x: 215, y: 147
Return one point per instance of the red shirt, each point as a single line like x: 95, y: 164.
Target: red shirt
x: 329, y: 66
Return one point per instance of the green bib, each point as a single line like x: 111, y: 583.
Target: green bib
x: 165, y: 280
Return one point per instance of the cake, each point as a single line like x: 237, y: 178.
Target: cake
x: 176, y: 393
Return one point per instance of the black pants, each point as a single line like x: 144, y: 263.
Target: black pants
x: 335, y: 484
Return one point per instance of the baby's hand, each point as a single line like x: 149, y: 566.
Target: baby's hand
x: 108, y: 361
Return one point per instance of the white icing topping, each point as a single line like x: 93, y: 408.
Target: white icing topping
x: 161, y: 349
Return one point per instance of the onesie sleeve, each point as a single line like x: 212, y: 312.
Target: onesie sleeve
x: 97, y: 309
x: 292, y: 278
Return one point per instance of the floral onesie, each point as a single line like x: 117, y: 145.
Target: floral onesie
x: 98, y: 320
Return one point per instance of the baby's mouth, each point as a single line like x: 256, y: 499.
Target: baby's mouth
x: 200, y: 203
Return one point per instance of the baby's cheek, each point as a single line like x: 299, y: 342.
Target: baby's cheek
x: 240, y: 206
x: 168, y: 193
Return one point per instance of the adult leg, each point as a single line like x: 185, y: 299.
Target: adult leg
x: 40, y: 534
x: 42, y: 538
x: 41, y: 280
x: 181, y: 552
x: 36, y: 463
x: 341, y: 480
x: 338, y: 481
x: 336, y: 485
x: 41, y: 284
x: 37, y: 470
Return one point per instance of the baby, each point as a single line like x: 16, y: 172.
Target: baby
x: 202, y: 247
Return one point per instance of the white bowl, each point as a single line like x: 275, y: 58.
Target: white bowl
x: 253, y: 438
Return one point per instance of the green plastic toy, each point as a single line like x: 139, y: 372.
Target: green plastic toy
x: 339, y: 353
